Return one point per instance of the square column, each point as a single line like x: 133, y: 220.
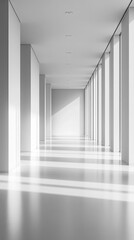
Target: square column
x: 114, y: 94
x: 120, y: 91
x: 92, y: 108
x: 89, y: 109
x: 29, y: 99
x: 86, y: 112
x: 105, y: 99
x: 9, y: 88
x: 99, y: 104
x: 95, y: 105
x: 48, y: 110
x: 128, y: 87
x: 42, y: 95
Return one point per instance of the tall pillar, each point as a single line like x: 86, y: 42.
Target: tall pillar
x: 42, y: 95
x: 29, y: 99
x: 114, y: 94
x: 120, y: 91
x: 107, y: 75
x: 9, y: 88
x: 92, y: 108
x: 105, y: 99
x: 99, y: 104
x: 89, y: 109
x: 94, y: 78
x: 86, y: 111
x: 48, y: 110
x: 128, y: 87
x: 95, y: 105
x: 34, y: 101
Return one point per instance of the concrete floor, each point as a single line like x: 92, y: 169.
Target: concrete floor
x: 69, y: 189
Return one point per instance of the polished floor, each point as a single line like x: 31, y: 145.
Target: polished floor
x: 69, y: 189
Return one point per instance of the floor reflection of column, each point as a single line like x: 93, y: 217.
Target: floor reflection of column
x: 34, y: 200
x: 14, y: 208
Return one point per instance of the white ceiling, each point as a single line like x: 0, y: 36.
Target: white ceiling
x: 68, y: 44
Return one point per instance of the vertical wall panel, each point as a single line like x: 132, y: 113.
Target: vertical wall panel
x: 120, y: 92
x: 14, y: 89
x: 92, y: 108
x: 95, y: 105
x: 99, y: 104
x: 107, y: 99
x: 125, y: 88
x: 29, y: 99
x: 114, y: 94
x: 9, y: 88
x: 89, y: 109
x: 48, y: 110
x: 42, y: 96
x: 103, y: 100
x: 86, y: 111
x: 128, y: 87
x: 25, y: 97
x: 34, y: 101
x: 68, y: 112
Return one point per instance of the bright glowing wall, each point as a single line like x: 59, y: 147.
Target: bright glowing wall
x: 68, y: 112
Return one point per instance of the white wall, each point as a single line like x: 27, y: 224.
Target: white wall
x: 25, y: 97
x: 107, y: 56
x: 14, y: 89
x: 29, y: 99
x: 68, y: 112
x: 34, y: 101
x: 105, y: 99
x: 48, y: 110
x: 114, y: 94
x: 92, y: 107
x: 86, y: 111
x: 125, y: 88
x: 128, y: 87
x: 42, y: 96
x: 99, y: 104
x: 9, y: 88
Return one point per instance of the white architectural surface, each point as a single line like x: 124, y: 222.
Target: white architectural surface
x: 128, y: 88
x: 42, y: 95
x: 9, y: 88
x: 114, y: 94
x: 68, y: 112
x: 99, y: 104
x: 29, y: 99
x: 48, y: 111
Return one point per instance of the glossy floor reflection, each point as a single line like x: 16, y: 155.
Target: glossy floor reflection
x: 69, y: 189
